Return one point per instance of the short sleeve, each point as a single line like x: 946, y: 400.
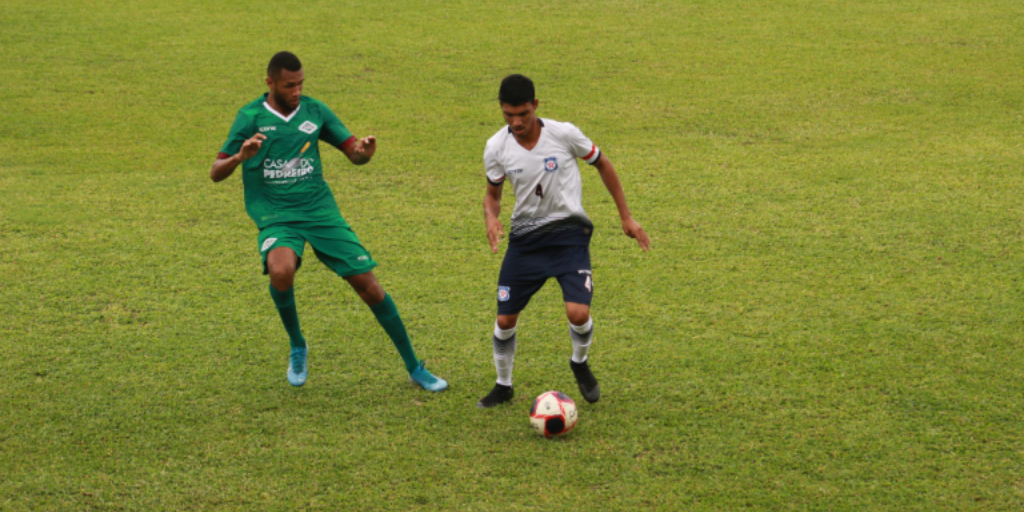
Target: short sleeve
x: 333, y: 131
x: 582, y: 147
x: 241, y: 130
x: 495, y: 170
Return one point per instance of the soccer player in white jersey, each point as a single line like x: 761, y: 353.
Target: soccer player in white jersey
x: 550, y: 232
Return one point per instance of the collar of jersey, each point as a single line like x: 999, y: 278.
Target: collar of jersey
x: 278, y: 114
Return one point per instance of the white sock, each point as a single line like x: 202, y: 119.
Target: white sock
x: 582, y: 336
x: 504, y: 353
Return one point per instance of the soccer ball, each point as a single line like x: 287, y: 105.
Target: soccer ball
x: 553, y: 414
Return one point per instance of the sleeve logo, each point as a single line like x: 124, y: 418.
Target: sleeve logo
x: 307, y: 127
x: 551, y: 164
x: 503, y: 293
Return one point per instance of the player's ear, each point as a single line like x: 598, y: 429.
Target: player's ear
x: 270, y: 82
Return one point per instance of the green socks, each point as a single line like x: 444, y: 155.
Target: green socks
x: 387, y: 315
x: 285, y: 302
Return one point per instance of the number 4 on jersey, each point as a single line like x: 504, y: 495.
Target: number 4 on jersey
x: 539, y: 191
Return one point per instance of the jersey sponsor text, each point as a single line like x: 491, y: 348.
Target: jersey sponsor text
x: 281, y: 169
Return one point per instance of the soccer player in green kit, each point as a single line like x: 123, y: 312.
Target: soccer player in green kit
x: 275, y: 139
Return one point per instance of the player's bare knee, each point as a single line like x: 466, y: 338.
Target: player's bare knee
x: 372, y: 296
x: 579, y: 319
x: 377, y: 292
x: 281, y: 276
x: 367, y: 287
x: 578, y: 316
x: 506, y: 322
x: 281, y: 284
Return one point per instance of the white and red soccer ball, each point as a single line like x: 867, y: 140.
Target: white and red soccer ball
x: 553, y: 414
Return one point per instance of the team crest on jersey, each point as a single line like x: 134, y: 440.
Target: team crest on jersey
x: 551, y: 164
x: 503, y: 293
x: 307, y: 127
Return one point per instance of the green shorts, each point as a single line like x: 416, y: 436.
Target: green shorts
x: 334, y: 243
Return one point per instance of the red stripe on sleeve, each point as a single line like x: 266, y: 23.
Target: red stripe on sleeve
x: 593, y: 148
x: 222, y: 155
x: 348, y: 142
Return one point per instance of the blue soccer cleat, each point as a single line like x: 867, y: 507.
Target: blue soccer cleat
x: 297, y: 367
x: 427, y: 380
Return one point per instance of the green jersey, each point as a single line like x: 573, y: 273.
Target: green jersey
x: 284, y: 182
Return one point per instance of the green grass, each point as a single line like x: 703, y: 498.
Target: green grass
x: 831, y: 316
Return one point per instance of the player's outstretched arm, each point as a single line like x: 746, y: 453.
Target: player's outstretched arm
x: 223, y: 167
x: 611, y: 182
x: 361, y: 151
x: 492, y: 208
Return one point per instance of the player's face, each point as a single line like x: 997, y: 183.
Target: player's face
x: 286, y: 88
x: 520, y: 118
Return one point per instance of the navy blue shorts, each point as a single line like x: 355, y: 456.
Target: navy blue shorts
x: 523, y: 273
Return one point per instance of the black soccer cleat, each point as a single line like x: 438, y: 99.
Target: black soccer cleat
x: 585, y: 378
x: 499, y: 395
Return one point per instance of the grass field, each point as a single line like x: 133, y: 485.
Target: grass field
x: 830, y: 317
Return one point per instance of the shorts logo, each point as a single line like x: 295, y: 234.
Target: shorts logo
x: 503, y: 293
x: 551, y: 164
x: 267, y: 244
x: 307, y: 127
x: 589, y: 285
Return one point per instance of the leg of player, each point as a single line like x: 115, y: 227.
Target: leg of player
x: 373, y: 294
x: 581, y: 330
x: 281, y: 265
x: 504, y: 356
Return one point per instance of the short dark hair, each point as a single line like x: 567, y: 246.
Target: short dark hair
x: 283, y: 60
x: 516, y: 90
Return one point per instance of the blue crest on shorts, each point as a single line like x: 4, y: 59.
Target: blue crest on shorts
x: 503, y: 293
x: 551, y: 164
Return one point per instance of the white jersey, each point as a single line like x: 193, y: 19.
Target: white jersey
x: 548, y: 188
